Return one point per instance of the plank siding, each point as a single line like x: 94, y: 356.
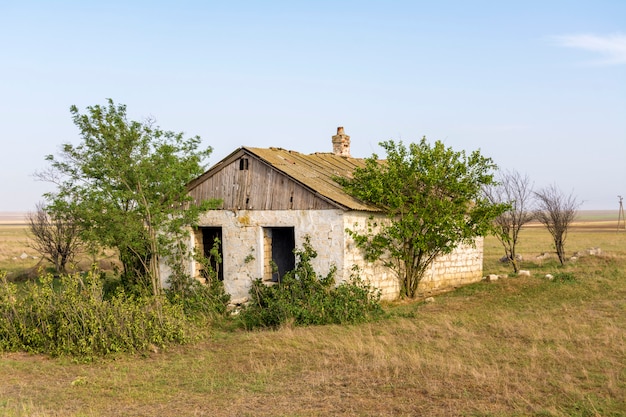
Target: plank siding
x: 260, y: 187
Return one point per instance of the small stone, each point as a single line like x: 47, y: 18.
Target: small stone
x: 492, y: 277
x: 524, y: 273
x: 549, y: 277
x: 429, y: 300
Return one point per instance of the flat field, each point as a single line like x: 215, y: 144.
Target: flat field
x: 519, y: 346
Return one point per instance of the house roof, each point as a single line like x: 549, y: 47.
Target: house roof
x: 313, y: 171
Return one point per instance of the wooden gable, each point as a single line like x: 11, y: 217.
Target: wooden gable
x: 243, y: 181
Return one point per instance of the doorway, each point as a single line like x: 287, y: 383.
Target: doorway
x: 278, y: 246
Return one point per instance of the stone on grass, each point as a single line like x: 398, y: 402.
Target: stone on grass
x: 523, y: 273
x: 594, y: 251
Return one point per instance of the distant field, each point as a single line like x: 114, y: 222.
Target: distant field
x: 12, y: 218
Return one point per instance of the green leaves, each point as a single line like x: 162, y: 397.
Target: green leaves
x: 305, y: 298
x: 126, y: 182
x: 71, y: 316
x: 431, y: 196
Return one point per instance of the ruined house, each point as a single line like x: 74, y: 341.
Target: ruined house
x: 272, y: 198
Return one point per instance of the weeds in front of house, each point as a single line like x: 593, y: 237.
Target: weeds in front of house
x: 71, y: 316
x: 303, y: 297
x: 201, y: 302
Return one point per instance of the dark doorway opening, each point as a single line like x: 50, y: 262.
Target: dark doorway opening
x: 279, y: 244
x: 212, y: 250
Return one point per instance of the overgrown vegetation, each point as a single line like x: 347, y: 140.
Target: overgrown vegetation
x: 124, y: 186
x: 431, y: 198
x: 200, y: 301
x: 303, y: 297
x: 73, y: 316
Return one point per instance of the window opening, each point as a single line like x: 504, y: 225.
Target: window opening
x: 243, y: 164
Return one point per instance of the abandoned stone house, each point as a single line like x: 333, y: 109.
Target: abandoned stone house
x: 273, y: 198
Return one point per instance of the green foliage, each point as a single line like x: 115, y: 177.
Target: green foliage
x: 72, y: 317
x: 200, y: 300
x: 431, y: 197
x: 304, y: 298
x: 125, y: 182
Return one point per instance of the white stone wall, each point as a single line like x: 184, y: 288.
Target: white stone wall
x: 242, y: 240
x: 463, y: 266
x: 242, y: 247
x: 373, y: 272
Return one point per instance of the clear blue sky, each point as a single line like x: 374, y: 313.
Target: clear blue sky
x: 539, y: 86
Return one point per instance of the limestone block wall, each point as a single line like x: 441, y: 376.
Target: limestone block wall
x: 244, y: 257
x: 375, y: 273
x: 463, y: 266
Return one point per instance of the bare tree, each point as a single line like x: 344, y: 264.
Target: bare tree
x: 55, y: 238
x: 556, y: 211
x: 513, y: 189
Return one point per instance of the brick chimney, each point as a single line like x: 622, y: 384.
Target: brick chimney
x: 341, y: 143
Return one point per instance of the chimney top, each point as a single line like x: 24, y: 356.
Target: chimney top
x: 341, y: 143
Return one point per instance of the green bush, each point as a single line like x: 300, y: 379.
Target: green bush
x: 72, y: 317
x: 304, y: 298
x: 200, y: 301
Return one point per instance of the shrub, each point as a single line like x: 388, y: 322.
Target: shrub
x: 200, y: 301
x: 304, y: 298
x: 72, y: 317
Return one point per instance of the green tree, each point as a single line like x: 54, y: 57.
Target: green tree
x: 125, y: 182
x: 431, y: 197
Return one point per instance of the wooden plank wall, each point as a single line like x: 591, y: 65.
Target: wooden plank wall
x: 260, y: 187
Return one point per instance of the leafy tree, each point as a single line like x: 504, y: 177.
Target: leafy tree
x: 126, y: 184
x: 556, y: 211
x: 513, y: 189
x: 55, y: 237
x: 431, y: 196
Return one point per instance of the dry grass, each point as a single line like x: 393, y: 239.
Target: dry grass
x: 13, y: 244
x: 515, y: 347
x: 18, y: 258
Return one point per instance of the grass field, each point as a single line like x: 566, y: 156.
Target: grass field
x: 519, y: 346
